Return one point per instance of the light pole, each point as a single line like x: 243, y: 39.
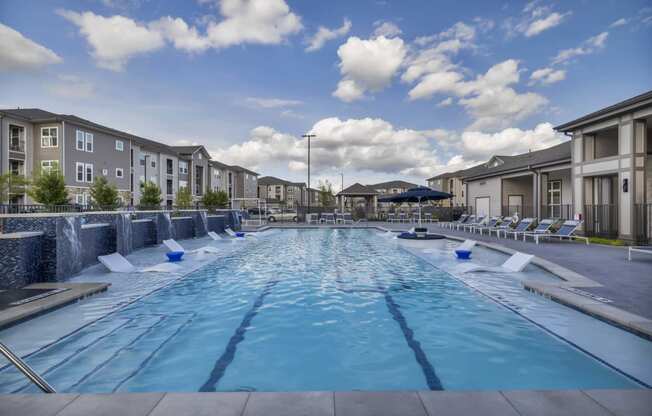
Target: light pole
x: 308, y: 136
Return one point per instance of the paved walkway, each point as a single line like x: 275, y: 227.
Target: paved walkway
x: 627, y: 283
x: 422, y: 403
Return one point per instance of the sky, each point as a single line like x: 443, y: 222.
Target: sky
x: 391, y: 89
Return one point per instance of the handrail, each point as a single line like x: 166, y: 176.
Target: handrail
x: 26, y: 369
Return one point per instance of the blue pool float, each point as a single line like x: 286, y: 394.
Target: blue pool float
x: 174, y: 256
x: 239, y: 234
x: 463, y: 254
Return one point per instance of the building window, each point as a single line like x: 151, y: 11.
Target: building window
x: 153, y: 163
x: 79, y: 143
x: 16, y: 167
x: 89, y: 172
x: 169, y: 165
x: 49, y: 136
x: 48, y: 165
x: 89, y: 142
x: 183, y: 167
x: 119, y: 145
x: 554, y: 199
x: 79, y: 169
x: 16, y: 138
x: 169, y: 187
x: 119, y: 173
x: 142, y: 159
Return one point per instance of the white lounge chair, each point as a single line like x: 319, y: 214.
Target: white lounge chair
x: 516, y: 263
x: 638, y: 249
x: 172, y: 245
x: 567, y: 230
x: 215, y: 236
x: 541, y: 229
x: 233, y: 234
x: 347, y: 218
x: 116, y: 263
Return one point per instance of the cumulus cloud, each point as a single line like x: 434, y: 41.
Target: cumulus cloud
x: 324, y: 34
x: 534, y: 20
x: 387, y: 29
x: 73, y: 87
x: 510, y: 141
x: 116, y: 39
x: 620, y: 22
x: 589, y: 46
x: 368, y: 65
x: 547, y: 76
x: 18, y: 53
x: 446, y: 102
x: 260, y: 102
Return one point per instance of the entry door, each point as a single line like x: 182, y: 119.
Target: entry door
x: 482, y: 206
x: 515, y: 205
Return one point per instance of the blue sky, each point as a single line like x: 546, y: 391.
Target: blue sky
x: 393, y: 89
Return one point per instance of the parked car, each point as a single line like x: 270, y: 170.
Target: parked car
x: 279, y: 215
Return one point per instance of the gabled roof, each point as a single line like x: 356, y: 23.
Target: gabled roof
x: 393, y: 184
x: 237, y: 168
x: 446, y: 175
x: 358, y: 189
x: 631, y: 104
x: 218, y: 165
x: 560, y: 153
x: 190, y: 150
x: 272, y: 180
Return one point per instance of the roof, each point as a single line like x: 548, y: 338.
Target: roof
x: 190, y: 150
x: 446, y: 175
x: 630, y: 104
x: 393, y: 184
x: 358, y: 189
x: 560, y: 153
x: 272, y: 180
x: 241, y: 169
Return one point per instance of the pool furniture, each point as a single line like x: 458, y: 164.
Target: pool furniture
x: 339, y: 218
x: 468, y: 220
x: 522, y: 227
x: 427, y: 217
x: 450, y: 224
x: 215, y: 236
x: 174, y: 256
x: 347, y: 218
x: 638, y: 249
x: 327, y: 218
x: 478, y: 222
x: 566, y: 231
x: 516, y: 263
x: 466, y: 245
x: 463, y: 254
x: 492, y: 223
x: 542, y: 228
x: 173, y: 246
x: 238, y: 234
x: 312, y: 218
x: 402, y: 217
x: 391, y: 217
x: 116, y: 263
x: 505, y: 225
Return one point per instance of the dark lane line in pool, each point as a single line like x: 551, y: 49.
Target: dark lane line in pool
x: 219, y: 369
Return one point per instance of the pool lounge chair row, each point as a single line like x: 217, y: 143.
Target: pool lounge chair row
x: 403, y: 217
x: 527, y: 227
x: 329, y: 218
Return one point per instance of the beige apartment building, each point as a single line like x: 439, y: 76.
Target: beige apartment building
x: 452, y: 183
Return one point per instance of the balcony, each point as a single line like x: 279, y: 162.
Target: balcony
x: 17, y: 146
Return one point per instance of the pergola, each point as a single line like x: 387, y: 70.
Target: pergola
x: 358, y: 191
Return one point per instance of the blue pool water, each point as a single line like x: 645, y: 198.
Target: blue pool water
x: 314, y: 310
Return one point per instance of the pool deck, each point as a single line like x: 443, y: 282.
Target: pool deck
x: 407, y: 403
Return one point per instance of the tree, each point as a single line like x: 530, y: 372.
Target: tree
x: 150, y: 195
x: 104, y: 195
x: 49, y: 188
x: 326, y: 196
x: 215, y: 199
x: 184, y: 198
x: 11, y: 184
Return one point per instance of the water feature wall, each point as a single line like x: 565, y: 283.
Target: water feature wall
x: 97, y: 239
x: 143, y: 233
x: 69, y: 247
x: 216, y: 223
x: 20, y: 259
x: 201, y: 223
x: 124, y: 234
x: 164, y: 228
x: 184, y: 227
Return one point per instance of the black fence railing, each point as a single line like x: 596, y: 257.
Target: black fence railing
x: 558, y: 212
x: 522, y: 211
x: 46, y: 209
x: 643, y: 223
x: 601, y: 220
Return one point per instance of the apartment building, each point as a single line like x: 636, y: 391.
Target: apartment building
x: 242, y: 185
x: 452, y: 183
x: 193, y: 169
x: 280, y: 191
x: 219, y: 176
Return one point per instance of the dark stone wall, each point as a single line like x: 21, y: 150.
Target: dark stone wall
x: 97, y: 241
x: 216, y: 223
x: 69, y: 255
x: 48, y: 225
x: 20, y: 261
x: 144, y: 234
x: 183, y: 228
x: 231, y: 218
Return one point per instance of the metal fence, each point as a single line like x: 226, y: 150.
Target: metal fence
x: 601, y: 220
x: 643, y: 223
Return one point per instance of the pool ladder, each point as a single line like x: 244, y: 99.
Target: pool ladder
x: 26, y: 369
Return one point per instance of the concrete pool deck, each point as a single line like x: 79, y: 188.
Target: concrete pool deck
x: 405, y: 403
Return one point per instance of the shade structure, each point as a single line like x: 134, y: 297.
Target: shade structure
x: 418, y: 194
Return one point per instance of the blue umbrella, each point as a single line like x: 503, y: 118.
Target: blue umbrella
x: 418, y: 194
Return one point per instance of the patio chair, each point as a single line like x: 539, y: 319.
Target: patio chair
x: 638, y: 249
x: 468, y: 220
x: 339, y: 218
x: 516, y: 263
x: 402, y: 217
x: 493, y: 222
x: 312, y: 218
x: 427, y: 217
x: 215, y: 236
x: 542, y: 228
x: 327, y: 218
x: 116, y: 263
x: 567, y: 230
x: 449, y: 224
x: 522, y: 227
x: 479, y: 221
x: 172, y: 245
x: 347, y: 218
x: 390, y: 217
x: 505, y: 225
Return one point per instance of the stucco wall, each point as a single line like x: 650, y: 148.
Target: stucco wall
x: 491, y: 188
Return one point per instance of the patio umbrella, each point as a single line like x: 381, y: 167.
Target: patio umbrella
x: 418, y: 195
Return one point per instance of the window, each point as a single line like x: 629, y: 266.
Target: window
x: 153, y: 163
x: 79, y: 169
x: 169, y: 166
x: 554, y: 199
x: 183, y: 167
x: 119, y: 145
x: 16, y: 167
x: 89, y: 172
x: 199, y: 156
x: 119, y: 173
x: 48, y: 165
x: 16, y: 138
x: 169, y: 187
x: 79, y: 144
x: 49, y: 136
x: 79, y: 199
x: 89, y: 142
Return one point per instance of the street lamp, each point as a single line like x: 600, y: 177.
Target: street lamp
x: 308, y: 136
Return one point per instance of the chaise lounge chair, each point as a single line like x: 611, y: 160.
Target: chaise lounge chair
x: 450, y: 224
x: 347, y: 218
x: 542, y: 228
x: 233, y: 234
x: 116, y: 263
x: 172, y: 245
x: 522, y: 227
x: 480, y: 221
x: 504, y: 226
x: 390, y: 217
x: 567, y: 230
x: 490, y: 225
x: 465, y: 245
x: 327, y: 218
x: 215, y: 236
x: 339, y: 218
x: 516, y: 263
x: 468, y: 220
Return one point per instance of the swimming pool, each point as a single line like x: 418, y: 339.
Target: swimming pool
x: 324, y: 309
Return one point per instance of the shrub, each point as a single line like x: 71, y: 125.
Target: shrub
x: 49, y: 188
x: 150, y: 196
x: 104, y: 195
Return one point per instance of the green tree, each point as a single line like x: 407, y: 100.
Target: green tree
x: 104, y: 194
x: 150, y: 195
x: 215, y: 199
x: 11, y: 184
x: 326, y: 196
x: 49, y: 188
x: 184, y: 198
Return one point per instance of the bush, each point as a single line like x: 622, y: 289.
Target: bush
x: 150, y: 196
x: 49, y: 188
x: 104, y: 195
x: 215, y: 199
x: 184, y: 198
x: 11, y: 184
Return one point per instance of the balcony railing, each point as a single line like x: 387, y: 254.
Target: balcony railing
x: 17, y: 147
x: 601, y: 220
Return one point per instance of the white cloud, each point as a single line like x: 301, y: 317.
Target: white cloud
x: 620, y: 22
x: 547, y: 76
x: 510, y: 141
x: 368, y: 65
x: 541, y: 25
x: 324, y: 34
x: 534, y: 20
x: 446, y: 102
x: 260, y: 102
x: 114, y: 39
x: 18, y: 53
x: 589, y: 46
x: 386, y: 29
x: 73, y: 87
